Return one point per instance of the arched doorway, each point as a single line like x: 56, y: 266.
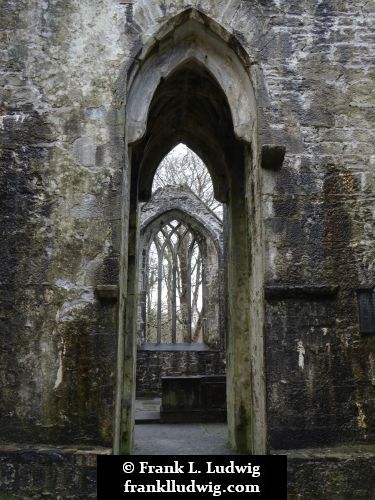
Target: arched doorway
x: 194, y: 86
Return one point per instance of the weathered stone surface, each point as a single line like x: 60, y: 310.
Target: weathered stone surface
x: 154, y: 364
x: 337, y: 473
x: 63, y: 80
x: 193, y: 399
x: 31, y: 472
x: 84, y: 151
x: 70, y: 472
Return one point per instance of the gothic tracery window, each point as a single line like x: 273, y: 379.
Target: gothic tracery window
x: 174, y: 286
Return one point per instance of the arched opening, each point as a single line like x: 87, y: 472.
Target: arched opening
x: 195, y: 88
x: 182, y: 167
x: 180, y: 330
x: 189, y: 107
x: 173, y: 287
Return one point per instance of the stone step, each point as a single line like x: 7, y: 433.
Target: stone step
x: 147, y: 417
x: 147, y: 410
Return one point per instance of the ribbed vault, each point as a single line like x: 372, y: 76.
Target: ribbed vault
x: 190, y: 107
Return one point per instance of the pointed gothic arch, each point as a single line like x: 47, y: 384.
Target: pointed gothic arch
x: 193, y: 84
x: 192, y: 36
x: 184, y: 206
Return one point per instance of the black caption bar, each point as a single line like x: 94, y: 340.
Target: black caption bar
x: 222, y: 476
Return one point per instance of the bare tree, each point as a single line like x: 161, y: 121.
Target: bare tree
x: 182, y: 167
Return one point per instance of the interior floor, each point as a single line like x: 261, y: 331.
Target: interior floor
x: 181, y: 439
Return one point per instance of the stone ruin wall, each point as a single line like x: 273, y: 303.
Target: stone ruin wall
x: 152, y: 364
x: 60, y: 178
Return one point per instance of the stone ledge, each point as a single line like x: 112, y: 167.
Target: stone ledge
x: 107, y: 292
x: 63, y: 450
x: 177, y: 347
x: 333, y: 452
x: 300, y: 291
